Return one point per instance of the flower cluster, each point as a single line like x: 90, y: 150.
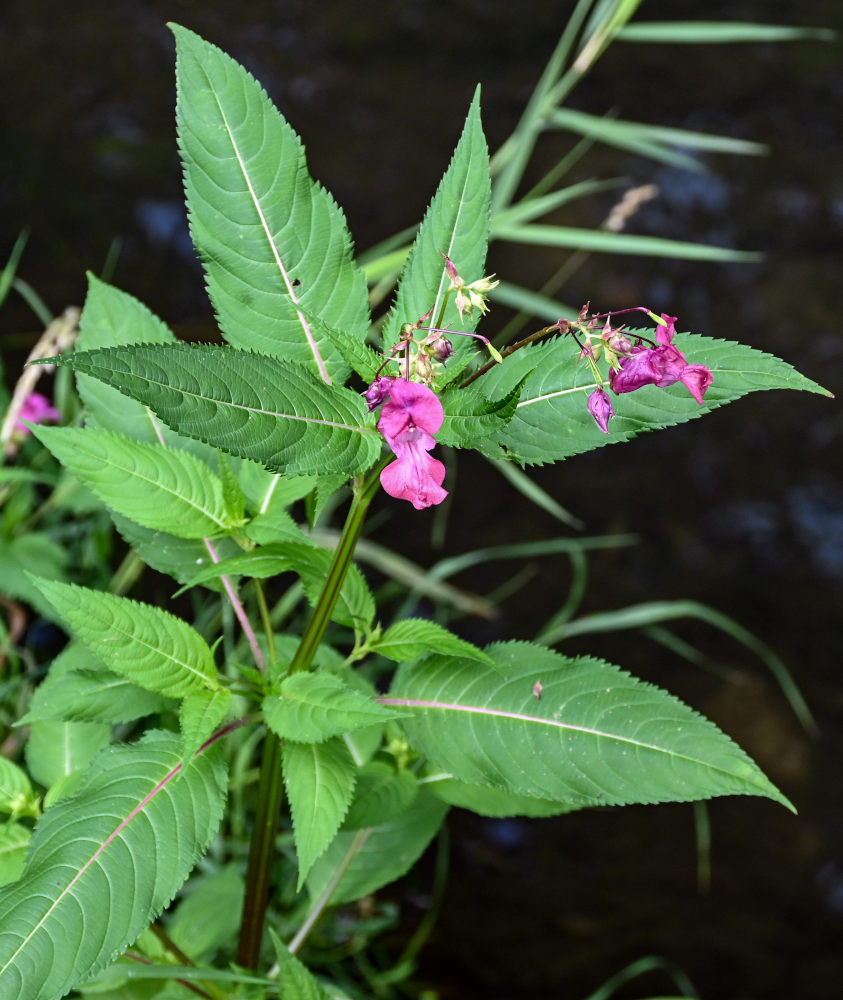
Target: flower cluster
x: 410, y: 417
x: 661, y: 366
x: 412, y: 413
x: 635, y: 362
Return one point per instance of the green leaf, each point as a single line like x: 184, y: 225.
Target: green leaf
x: 151, y: 647
x: 116, y: 852
x: 14, y: 843
x: 371, y: 858
x: 381, y: 795
x: 270, y: 411
x: 652, y: 140
x: 92, y: 694
x: 275, y: 246
x: 164, y: 489
x: 469, y: 415
x: 552, y: 420
x: 312, y: 707
x: 112, y: 318
x: 413, y: 637
x: 200, y: 714
x: 602, y: 241
x: 457, y: 224
x: 717, y: 32
x: 575, y: 731
x: 57, y: 750
x: 297, y: 982
x: 234, y: 499
x: 356, y: 354
x: 319, y: 778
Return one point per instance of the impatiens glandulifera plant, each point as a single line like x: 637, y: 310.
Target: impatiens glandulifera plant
x: 199, y: 452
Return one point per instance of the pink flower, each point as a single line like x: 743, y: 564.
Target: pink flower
x: 36, y: 409
x: 600, y: 407
x: 411, y: 415
x: 661, y: 366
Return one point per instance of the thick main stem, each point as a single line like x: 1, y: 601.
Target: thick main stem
x: 271, y: 786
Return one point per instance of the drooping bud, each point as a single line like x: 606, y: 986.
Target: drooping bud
x: 600, y: 407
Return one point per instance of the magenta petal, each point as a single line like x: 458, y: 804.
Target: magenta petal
x: 410, y: 405
x: 635, y: 371
x: 697, y: 378
x: 664, y: 334
x: 600, y: 407
x: 415, y: 476
x: 670, y: 362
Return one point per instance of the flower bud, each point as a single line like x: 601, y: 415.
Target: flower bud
x: 442, y: 349
x: 378, y: 391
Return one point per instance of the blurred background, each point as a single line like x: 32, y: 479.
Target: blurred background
x: 742, y: 511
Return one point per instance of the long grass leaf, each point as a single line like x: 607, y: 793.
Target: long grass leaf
x: 598, y: 241
x: 718, y: 32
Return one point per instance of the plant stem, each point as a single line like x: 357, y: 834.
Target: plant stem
x: 271, y: 787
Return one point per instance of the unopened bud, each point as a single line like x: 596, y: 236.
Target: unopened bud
x: 443, y: 349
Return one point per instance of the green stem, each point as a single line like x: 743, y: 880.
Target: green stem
x: 271, y: 787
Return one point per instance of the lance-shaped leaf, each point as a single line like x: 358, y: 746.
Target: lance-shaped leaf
x: 319, y: 778
x: 275, y: 247
x: 273, y: 412
x: 104, y: 863
x: 164, y: 489
x: 411, y: 638
x: 314, y: 707
x: 577, y: 731
x: 200, y: 714
x: 552, y: 420
x: 457, y: 224
x: 146, y: 644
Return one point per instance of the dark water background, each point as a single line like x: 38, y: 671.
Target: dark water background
x: 742, y: 510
